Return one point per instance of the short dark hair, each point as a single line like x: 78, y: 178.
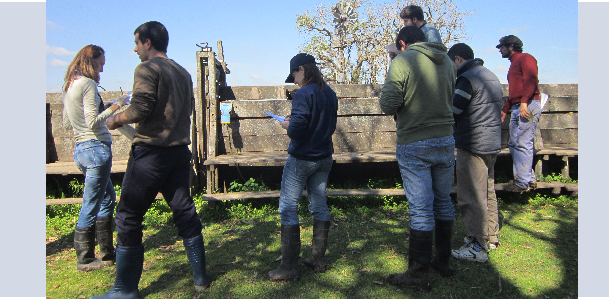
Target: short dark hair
x: 410, y: 35
x: 156, y: 33
x: 312, y: 74
x: 412, y: 11
x: 516, y: 47
x: 462, y: 50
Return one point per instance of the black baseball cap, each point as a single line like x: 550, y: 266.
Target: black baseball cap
x: 509, y: 40
x: 296, y: 61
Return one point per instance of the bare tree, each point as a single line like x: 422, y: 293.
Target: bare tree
x: 349, y: 37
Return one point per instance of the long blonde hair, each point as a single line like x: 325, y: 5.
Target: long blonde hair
x: 83, y: 65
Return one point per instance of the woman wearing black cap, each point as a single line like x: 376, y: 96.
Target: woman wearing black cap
x: 310, y: 127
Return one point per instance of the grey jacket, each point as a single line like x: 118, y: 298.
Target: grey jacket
x: 478, y: 128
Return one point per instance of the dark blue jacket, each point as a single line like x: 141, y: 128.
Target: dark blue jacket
x: 312, y: 123
x: 478, y: 127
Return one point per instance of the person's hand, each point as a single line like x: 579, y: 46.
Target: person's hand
x: 502, y: 116
x: 285, y: 123
x: 524, y: 110
x: 122, y: 100
x: 111, y: 124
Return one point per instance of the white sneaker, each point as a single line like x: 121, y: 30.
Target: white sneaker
x: 469, y: 252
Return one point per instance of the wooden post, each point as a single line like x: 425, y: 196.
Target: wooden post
x: 565, y: 169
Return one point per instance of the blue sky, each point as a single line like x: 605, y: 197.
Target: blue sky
x: 260, y: 37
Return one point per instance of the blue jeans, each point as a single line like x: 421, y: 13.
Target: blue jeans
x: 94, y: 159
x: 296, y: 175
x: 427, y: 172
x: 522, y: 135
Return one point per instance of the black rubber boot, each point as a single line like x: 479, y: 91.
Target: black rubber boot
x: 419, y: 260
x: 443, y: 238
x: 195, y: 250
x: 84, y: 243
x: 290, y: 251
x: 104, y: 238
x: 129, y: 264
x: 319, y: 244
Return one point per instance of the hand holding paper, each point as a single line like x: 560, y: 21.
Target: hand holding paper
x: 123, y: 100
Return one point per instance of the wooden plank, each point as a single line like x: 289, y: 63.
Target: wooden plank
x: 561, y: 104
x: 271, y: 127
x: 68, y: 201
x: 346, y: 106
x: 355, y: 90
x: 278, y: 158
x: 558, y: 137
x: 65, y: 168
x: 343, y: 141
x: 229, y: 93
x: 558, y: 121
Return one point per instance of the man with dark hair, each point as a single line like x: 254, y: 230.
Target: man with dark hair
x: 524, y: 102
x: 310, y: 126
x: 412, y: 15
x: 418, y: 91
x: 477, y: 111
x: 159, y: 160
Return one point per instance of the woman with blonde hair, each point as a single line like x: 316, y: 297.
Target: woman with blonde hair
x: 84, y: 112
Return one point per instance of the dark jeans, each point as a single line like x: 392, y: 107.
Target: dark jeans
x: 150, y: 170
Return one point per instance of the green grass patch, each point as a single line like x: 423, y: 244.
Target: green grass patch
x: 368, y: 241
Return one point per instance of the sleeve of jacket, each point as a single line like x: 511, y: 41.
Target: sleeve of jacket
x: 144, y: 94
x: 529, y: 77
x: 91, y: 106
x: 462, y: 96
x: 392, y: 93
x: 300, y: 116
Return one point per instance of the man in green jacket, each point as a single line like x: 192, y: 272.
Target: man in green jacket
x: 418, y: 91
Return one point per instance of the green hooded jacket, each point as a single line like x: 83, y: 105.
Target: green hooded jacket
x: 419, y: 90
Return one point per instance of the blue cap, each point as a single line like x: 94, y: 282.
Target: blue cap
x: 298, y: 60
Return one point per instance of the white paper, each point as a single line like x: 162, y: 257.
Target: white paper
x: 277, y: 117
x: 128, y: 131
x: 544, y: 99
x: 128, y: 99
x: 392, y: 48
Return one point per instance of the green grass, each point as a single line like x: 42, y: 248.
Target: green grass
x: 367, y: 241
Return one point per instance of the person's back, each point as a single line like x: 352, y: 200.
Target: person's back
x: 478, y: 128
x: 162, y: 103
x: 311, y: 139
x: 423, y: 78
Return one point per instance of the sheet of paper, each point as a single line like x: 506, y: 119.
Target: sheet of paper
x: 277, y: 117
x: 544, y: 99
x: 128, y: 131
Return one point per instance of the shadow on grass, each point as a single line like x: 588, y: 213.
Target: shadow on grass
x: 66, y: 241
